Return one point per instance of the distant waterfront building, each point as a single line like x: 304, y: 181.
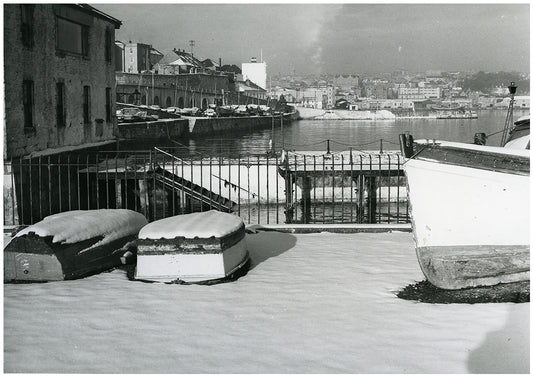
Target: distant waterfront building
x: 59, y: 70
x: 385, y: 104
x: 290, y: 95
x: 255, y: 72
x: 521, y: 102
x: 136, y: 57
x: 183, y: 90
x: 419, y: 93
x: 317, y: 97
x: 248, y: 92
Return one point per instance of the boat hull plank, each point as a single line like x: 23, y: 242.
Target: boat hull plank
x: 457, y: 267
x: 194, y: 248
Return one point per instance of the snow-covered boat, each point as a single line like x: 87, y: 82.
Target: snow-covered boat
x: 72, y: 245
x: 203, y: 247
x: 469, y: 207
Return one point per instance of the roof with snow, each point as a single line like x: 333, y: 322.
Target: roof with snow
x: 184, y: 58
x: 209, y: 63
x: 180, y: 58
x: 248, y: 85
x: 230, y: 68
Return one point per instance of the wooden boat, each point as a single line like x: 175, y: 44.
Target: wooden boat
x: 469, y: 207
x: 72, y: 245
x: 204, y: 247
x: 224, y: 111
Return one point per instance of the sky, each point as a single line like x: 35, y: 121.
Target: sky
x: 337, y: 38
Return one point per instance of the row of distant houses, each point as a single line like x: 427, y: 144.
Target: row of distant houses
x: 145, y: 76
x: 134, y: 57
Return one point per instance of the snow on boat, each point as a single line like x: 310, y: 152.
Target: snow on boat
x: 203, y: 247
x: 469, y: 207
x: 71, y: 245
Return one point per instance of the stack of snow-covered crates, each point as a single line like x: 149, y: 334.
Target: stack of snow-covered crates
x: 204, y: 247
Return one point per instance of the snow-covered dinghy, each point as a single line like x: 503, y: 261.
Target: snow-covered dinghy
x: 71, y: 245
x: 204, y: 247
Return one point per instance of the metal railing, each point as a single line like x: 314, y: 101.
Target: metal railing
x: 341, y: 187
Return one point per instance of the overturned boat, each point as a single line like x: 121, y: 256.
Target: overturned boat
x: 204, y: 247
x: 469, y: 207
x: 72, y: 245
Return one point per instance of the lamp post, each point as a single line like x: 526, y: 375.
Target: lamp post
x: 509, y: 117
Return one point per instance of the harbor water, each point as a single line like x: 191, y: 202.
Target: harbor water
x: 307, y: 135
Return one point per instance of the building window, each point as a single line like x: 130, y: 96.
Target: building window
x: 27, y: 102
x: 72, y: 37
x: 108, y: 45
x: 27, y: 24
x: 60, y: 104
x: 86, y: 104
x: 108, y: 104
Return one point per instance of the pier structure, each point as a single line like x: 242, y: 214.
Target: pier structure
x: 307, y: 171
x: 292, y: 188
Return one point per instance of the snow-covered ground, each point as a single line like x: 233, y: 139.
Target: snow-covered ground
x: 311, y: 303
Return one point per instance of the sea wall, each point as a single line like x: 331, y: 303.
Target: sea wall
x: 207, y: 126
x: 199, y: 126
x: 308, y: 113
x: 161, y: 129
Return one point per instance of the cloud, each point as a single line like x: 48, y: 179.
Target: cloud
x: 338, y: 38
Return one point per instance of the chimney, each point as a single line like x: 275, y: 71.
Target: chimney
x: 220, y: 62
x: 253, y: 59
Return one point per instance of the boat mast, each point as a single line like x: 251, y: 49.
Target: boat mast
x: 509, y: 117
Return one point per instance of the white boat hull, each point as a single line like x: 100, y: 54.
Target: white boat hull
x: 160, y: 264
x: 470, y: 224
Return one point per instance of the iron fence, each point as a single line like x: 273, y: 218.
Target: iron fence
x: 340, y: 187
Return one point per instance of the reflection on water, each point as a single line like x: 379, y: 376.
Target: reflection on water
x: 346, y: 134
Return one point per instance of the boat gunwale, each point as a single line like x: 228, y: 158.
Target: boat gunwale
x: 479, y: 159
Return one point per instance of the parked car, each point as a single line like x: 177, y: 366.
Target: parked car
x: 132, y: 114
x: 210, y: 113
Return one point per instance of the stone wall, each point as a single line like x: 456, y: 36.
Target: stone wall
x: 162, y: 129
